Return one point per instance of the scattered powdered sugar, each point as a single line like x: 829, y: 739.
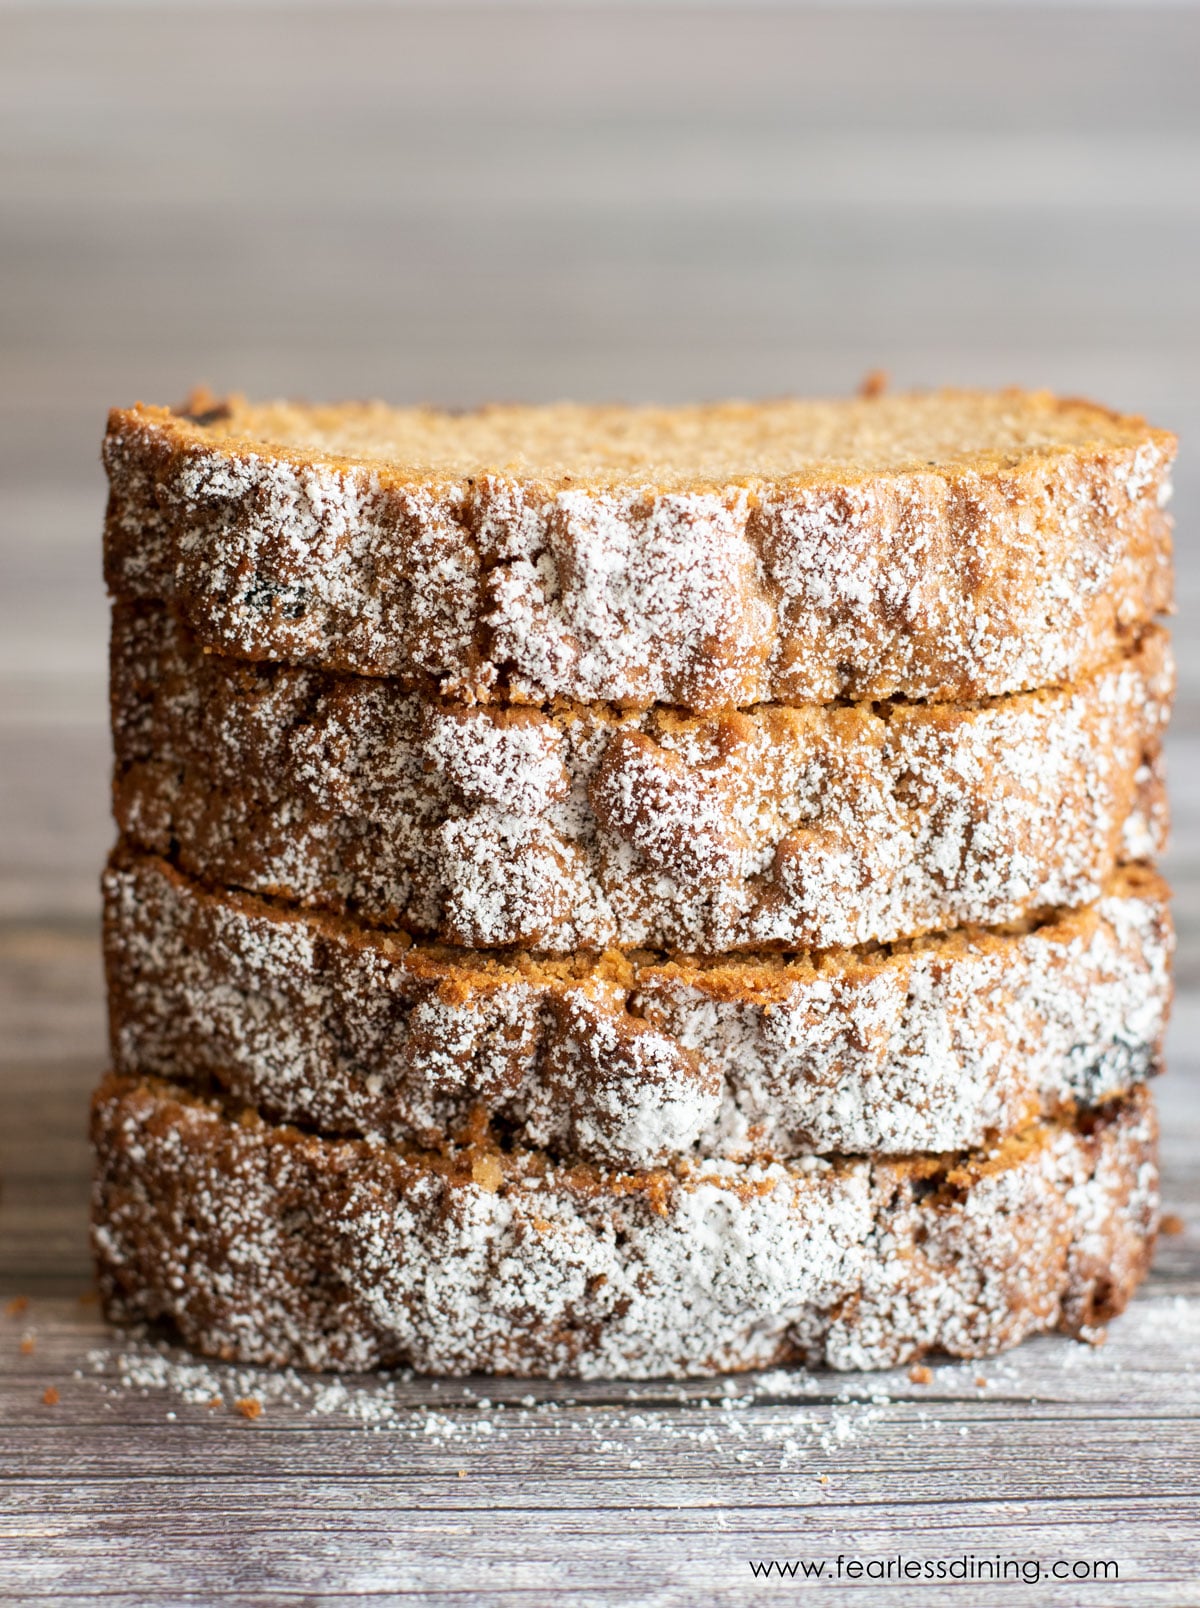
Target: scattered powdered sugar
x: 778, y: 1421
x: 448, y: 1415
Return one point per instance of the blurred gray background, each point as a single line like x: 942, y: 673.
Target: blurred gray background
x: 454, y: 203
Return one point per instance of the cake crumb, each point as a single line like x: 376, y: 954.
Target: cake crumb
x: 249, y: 1406
x: 981, y: 1383
x: 920, y: 1374
x: 50, y: 1396
x: 1171, y: 1225
x: 28, y: 1345
x: 19, y: 1303
x: 873, y: 383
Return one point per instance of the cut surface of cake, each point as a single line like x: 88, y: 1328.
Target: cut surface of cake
x: 636, y: 1059
x: 582, y: 827
x: 949, y: 545
x: 269, y: 1245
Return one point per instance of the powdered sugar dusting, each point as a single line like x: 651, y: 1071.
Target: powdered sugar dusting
x: 949, y: 581
x: 352, y: 1256
x: 631, y: 1062
x: 580, y: 828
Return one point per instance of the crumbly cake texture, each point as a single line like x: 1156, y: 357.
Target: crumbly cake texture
x: 266, y: 1245
x: 585, y: 827
x: 943, y: 546
x: 632, y: 1060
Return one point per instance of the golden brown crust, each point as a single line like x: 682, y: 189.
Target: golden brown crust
x: 265, y: 1245
x: 951, y: 546
x: 578, y: 827
x: 630, y: 1060
x: 701, y: 446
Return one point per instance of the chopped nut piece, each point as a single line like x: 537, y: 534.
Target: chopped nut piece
x: 487, y: 1173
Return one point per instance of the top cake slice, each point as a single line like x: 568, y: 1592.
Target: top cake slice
x: 952, y: 545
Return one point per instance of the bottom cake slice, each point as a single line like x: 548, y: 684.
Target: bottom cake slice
x: 266, y: 1244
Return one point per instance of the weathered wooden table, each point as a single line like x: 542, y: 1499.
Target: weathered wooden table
x: 455, y: 204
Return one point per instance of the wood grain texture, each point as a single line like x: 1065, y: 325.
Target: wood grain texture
x: 602, y: 202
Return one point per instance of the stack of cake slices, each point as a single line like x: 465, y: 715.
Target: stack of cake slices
x: 625, y: 891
